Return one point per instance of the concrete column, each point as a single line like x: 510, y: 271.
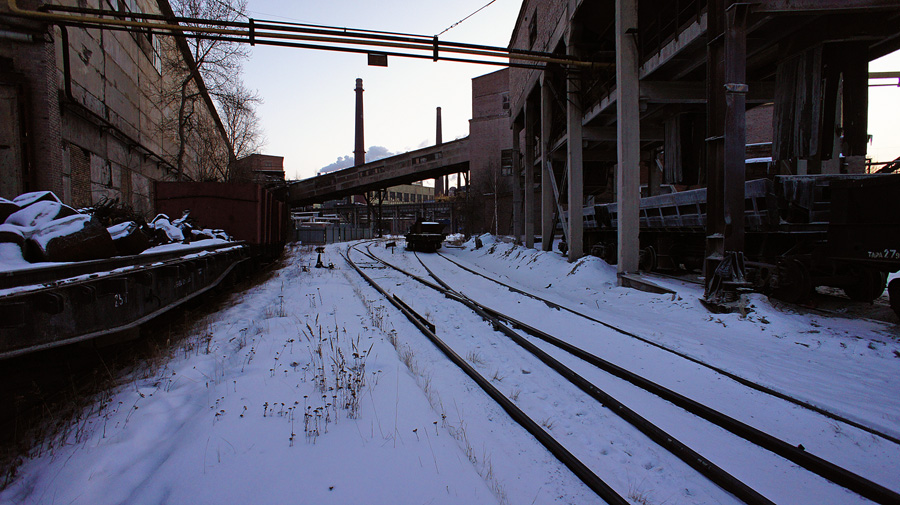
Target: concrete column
x: 548, y: 201
x: 518, y: 225
x: 531, y: 110
x: 628, y: 137
x: 575, y: 159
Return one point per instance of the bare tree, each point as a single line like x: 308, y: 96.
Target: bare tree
x: 213, y: 155
x: 209, y: 71
x: 237, y: 106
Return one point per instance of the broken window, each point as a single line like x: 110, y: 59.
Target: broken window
x: 532, y: 29
x: 506, y: 162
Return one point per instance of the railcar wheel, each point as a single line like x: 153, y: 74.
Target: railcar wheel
x: 647, y: 261
x: 794, y: 281
x: 869, y: 285
x: 894, y: 292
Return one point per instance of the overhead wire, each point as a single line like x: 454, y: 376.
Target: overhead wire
x: 454, y: 25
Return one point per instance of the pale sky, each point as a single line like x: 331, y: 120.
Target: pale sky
x: 308, y: 114
x: 309, y: 105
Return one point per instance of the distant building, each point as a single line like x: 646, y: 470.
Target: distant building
x: 261, y: 169
x: 409, y: 193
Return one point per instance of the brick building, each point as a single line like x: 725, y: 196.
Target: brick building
x: 261, y: 169
x: 491, y: 154
x: 83, y: 110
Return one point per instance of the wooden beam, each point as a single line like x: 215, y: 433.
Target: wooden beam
x: 674, y: 92
x: 608, y: 134
x: 690, y: 34
x: 695, y: 92
x: 819, y: 6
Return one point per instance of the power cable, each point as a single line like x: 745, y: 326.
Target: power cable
x: 465, y: 18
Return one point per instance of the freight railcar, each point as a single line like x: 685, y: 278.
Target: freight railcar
x: 248, y: 212
x: 801, y: 232
x: 52, y: 304
x: 425, y: 236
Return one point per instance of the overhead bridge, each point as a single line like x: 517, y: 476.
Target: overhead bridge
x: 418, y: 165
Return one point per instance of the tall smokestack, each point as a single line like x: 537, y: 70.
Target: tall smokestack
x: 359, y: 152
x: 439, y: 184
x: 438, y: 134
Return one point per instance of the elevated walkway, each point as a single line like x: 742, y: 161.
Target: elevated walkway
x: 406, y: 168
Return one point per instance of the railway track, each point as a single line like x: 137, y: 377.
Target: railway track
x: 549, y: 351
x: 718, y: 370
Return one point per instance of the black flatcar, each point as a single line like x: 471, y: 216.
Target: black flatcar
x: 425, y: 236
x: 801, y: 232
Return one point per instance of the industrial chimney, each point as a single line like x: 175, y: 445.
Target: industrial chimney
x: 359, y: 152
x: 439, y: 183
x: 438, y: 134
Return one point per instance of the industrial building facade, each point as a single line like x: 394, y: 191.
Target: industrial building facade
x: 491, y: 154
x: 667, y: 93
x: 86, y: 113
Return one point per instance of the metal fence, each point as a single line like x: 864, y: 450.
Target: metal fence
x: 321, y: 235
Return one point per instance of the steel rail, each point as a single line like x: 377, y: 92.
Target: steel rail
x: 705, y: 467
x: 585, y: 474
x: 680, y: 450
x: 737, y: 378
x: 834, y: 473
x: 824, y: 468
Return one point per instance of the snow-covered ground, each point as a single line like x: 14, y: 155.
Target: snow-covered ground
x: 310, y: 389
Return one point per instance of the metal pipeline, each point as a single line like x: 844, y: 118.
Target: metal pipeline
x: 252, y: 35
x: 256, y: 24
x: 17, y: 36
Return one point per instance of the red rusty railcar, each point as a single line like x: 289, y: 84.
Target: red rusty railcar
x: 246, y: 211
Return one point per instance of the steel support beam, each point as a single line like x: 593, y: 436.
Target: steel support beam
x: 735, y: 124
x: 548, y: 201
x: 628, y: 129
x: 715, y: 145
x: 726, y: 144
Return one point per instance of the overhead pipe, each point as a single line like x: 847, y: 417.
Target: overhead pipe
x: 422, y: 44
x: 16, y: 36
x: 277, y: 43
x: 301, y: 28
